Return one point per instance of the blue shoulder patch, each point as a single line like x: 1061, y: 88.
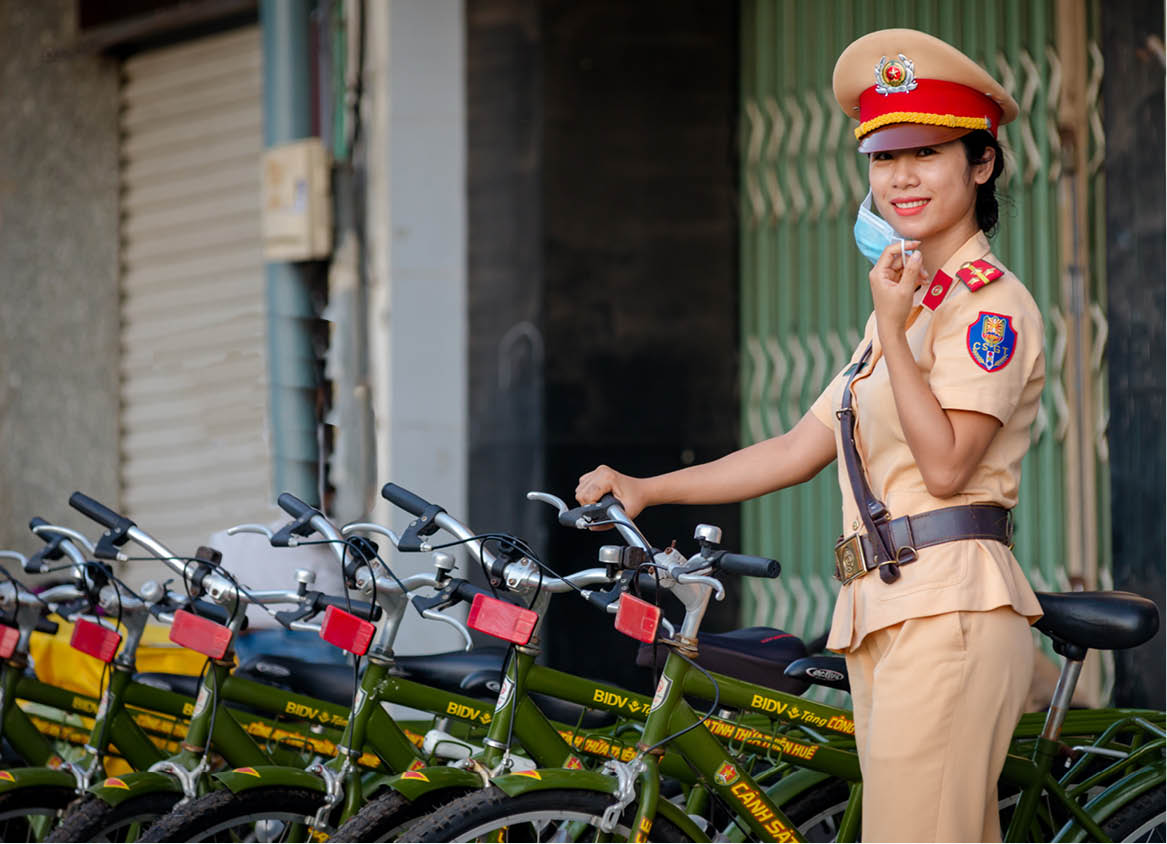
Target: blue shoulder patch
x: 991, y: 341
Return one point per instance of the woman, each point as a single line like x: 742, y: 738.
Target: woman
x: 930, y: 423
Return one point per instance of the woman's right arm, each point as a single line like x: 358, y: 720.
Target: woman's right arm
x: 788, y: 459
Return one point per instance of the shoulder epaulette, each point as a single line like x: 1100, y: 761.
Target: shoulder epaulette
x: 976, y: 274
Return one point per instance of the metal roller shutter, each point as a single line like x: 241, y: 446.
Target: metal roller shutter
x: 194, y: 401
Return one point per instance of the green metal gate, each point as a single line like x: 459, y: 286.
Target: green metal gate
x: 804, y: 284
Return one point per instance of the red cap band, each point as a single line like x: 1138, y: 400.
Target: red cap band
x: 932, y: 102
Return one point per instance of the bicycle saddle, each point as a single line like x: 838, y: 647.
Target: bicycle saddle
x: 1101, y: 620
x: 829, y: 671
x: 755, y: 654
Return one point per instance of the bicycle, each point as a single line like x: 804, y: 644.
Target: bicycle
x: 1112, y: 788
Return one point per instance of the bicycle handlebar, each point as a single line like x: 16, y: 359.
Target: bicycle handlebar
x: 408, y: 501
x: 747, y: 565
x: 294, y: 507
x: 98, y: 512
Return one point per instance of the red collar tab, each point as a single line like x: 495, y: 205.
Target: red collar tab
x: 976, y: 274
x: 939, y: 289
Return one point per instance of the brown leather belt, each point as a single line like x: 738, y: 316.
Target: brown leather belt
x: 855, y: 555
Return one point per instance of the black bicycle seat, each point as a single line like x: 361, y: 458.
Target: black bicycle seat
x: 1101, y: 620
x: 755, y: 654
x: 829, y: 671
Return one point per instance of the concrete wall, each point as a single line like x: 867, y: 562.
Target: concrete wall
x: 58, y: 248
x: 417, y: 268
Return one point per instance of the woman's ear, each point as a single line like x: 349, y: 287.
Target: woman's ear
x: 983, y: 169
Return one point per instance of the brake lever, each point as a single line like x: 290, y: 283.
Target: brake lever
x: 547, y: 498
x: 712, y: 582
x: 434, y: 615
x: 75, y: 535
x: 370, y: 527
x: 262, y: 530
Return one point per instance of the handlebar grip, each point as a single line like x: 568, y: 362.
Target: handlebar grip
x: 570, y: 518
x: 362, y: 609
x: 403, y: 498
x: 467, y: 590
x: 748, y: 565
x: 293, y: 506
x: 97, y: 511
x: 214, y: 612
x: 44, y: 625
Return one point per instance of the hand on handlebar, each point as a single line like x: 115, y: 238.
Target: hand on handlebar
x: 595, y: 484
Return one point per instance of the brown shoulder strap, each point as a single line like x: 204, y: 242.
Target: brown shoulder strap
x: 871, y: 510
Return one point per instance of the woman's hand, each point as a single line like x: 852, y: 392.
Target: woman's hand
x: 603, y: 479
x: 893, y: 284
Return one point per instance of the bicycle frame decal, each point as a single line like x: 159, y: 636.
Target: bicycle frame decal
x: 573, y: 763
x: 311, y: 713
x: 468, y: 713
x: 597, y: 746
x: 114, y: 782
x: 620, y: 701
x: 250, y: 771
x: 504, y: 693
x: 414, y: 775
x: 838, y: 723
x: 535, y: 775
x: 7, y: 777
x: 726, y: 775
x: 662, y: 691
x: 752, y: 801
x: 763, y: 741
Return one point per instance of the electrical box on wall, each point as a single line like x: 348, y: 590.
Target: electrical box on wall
x: 297, y: 205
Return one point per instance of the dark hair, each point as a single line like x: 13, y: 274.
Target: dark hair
x: 975, y: 145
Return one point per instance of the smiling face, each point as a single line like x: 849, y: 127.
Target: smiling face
x: 928, y: 192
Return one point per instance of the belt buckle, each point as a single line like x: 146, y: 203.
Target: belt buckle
x: 849, y: 562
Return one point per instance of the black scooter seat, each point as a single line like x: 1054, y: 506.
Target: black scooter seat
x: 1101, y: 620
x: 755, y: 654
x: 829, y: 671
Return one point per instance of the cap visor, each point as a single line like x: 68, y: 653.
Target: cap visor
x: 908, y: 136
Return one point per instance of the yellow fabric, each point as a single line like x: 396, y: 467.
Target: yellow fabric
x: 936, y: 702
x: 966, y: 575
x: 954, y: 121
x: 59, y: 664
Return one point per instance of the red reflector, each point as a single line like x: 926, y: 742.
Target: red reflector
x: 502, y: 620
x: 95, y: 640
x: 9, y: 636
x: 637, y: 618
x: 200, y: 634
x: 346, y: 631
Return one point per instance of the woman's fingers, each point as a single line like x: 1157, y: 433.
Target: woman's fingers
x: 594, y: 484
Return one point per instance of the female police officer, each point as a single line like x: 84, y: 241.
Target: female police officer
x: 930, y: 422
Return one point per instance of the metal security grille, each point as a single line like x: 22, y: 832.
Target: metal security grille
x: 194, y: 454
x: 804, y: 284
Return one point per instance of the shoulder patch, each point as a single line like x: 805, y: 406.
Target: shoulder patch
x: 976, y: 274
x: 992, y: 340
x: 938, y: 290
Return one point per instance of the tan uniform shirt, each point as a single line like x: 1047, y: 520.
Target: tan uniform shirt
x: 978, y: 350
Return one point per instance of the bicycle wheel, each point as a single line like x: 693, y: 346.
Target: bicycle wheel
x: 387, y: 816
x: 818, y: 813
x: 552, y: 815
x: 92, y: 819
x: 276, y: 813
x: 1143, y: 819
x: 29, y: 814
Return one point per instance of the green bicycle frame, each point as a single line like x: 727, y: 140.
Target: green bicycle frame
x: 714, y: 764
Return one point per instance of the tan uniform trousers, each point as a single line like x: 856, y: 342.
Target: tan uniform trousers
x: 936, y: 702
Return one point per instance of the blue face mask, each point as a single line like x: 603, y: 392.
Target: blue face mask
x: 873, y: 234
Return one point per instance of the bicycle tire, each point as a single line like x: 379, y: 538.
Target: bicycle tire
x: 387, y: 816
x: 92, y: 819
x: 818, y: 813
x: 1142, y: 819
x: 215, y: 816
x: 491, y: 810
x: 20, y: 807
